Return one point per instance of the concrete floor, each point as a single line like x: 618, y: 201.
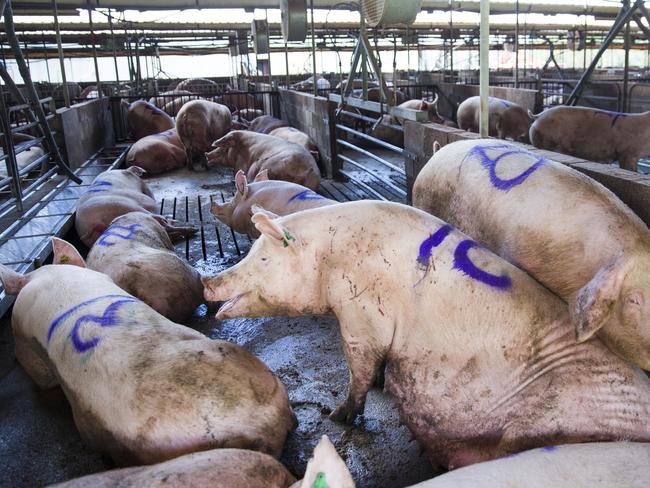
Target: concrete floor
x: 39, y: 443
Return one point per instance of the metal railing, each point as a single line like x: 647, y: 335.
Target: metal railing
x: 23, y: 175
x: 262, y: 102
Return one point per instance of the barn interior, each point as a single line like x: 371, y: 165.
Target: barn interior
x: 336, y: 71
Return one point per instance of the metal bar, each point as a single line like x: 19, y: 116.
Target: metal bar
x: 367, y: 188
x: 623, y: 16
x: 8, y: 148
x: 117, y: 71
x: 33, y: 96
x: 358, y: 165
x: 370, y: 138
x: 371, y: 155
x: 517, y: 45
x: 375, y: 67
x: 313, y: 47
x: 626, y: 74
x: 100, y: 93
x: 484, y: 61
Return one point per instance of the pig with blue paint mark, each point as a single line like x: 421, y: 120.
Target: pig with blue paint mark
x: 137, y: 253
x: 114, y: 193
x: 482, y: 359
x: 597, y: 135
x: 507, y: 119
x: 276, y: 196
x: 142, y: 389
x: 565, y: 229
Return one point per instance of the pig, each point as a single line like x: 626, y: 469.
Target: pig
x: 145, y: 119
x: 430, y: 107
x: 506, y: 119
x: 597, y: 135
x: 279, y: 197
x: 248, y: 114
x: 114, y: 193
x: 326, y: 468
x: 565, y: 229
x: 239, y: 100
x: 387, y: 129
x: 593, y: 465
x: 158, y: 153
x: 481, y: 358
x: 174, y: 106
x: 218, y: 468
x: 395, y: 97
x: 294, y: 135
x: 165, y: 97
x: 199, y: 123
x: 138, y: 255
x: 198, y: 85
x: 23, y: 159
x: 266, y: 124
x: 252, y: 152
x: 142, y: 389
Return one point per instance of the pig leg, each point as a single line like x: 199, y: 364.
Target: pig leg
x: 33, y: 358
x: 364, y: 360
x: 628, y: 162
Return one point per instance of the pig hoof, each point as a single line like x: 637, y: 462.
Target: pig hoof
x: 344, y: 414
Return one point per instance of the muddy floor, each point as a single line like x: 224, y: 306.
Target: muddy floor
x: 39, y: 443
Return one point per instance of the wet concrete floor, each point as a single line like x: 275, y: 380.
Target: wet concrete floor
x: 39, y: 443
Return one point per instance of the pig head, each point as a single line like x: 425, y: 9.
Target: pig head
x: 145, y: 119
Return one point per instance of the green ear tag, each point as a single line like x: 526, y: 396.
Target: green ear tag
x: 64, y: 259
x: 287, y: 237
x: 320, y: 482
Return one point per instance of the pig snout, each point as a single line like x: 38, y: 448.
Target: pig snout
x: 215, y: 156
x: 223, y: 212
x: 221, y: 288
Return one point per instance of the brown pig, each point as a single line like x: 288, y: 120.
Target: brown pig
x: 199, y: 123
x: 114, y: 193
x: 158, y: 153
x: 218, y: 468
x: 137, y: 253
x: 296, y: 136
x: 142, y: 389
x: 481, y: 358
x: 174, y: 106
x: 145, y: 119
x: 266, y: 124
x: 165, y: 97
x: 568, y: 231
x: 506, y: 119
x: 252, y: 152
x: 596, y: 135
x: 279, y: 197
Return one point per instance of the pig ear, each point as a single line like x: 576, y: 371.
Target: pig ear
x: 259, y: 209
x: 326, y: 468
x: 241, y: 183
x: 273, y: 230
x: 435, y: 101
x: 137, y: 171
x: 12, y: 281
x: 66, y: 253
x: 595, y: 301
x: 262, y: 176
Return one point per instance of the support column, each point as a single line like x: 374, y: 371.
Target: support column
x: 92, y: 37
x: 313, y: 47
x: 117, y: 71
x: 66, y: 93
x: 484, y: 67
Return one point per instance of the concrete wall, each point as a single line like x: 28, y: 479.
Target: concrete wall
x: 84, y: 129
x: 312, y: 115
x: 631, y: 188
x: 453, y: 95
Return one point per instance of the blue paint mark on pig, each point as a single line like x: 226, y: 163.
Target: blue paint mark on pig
x: 306, y: 195
x: 434, y: 240
x: 109, y: 318
x: 463, y: 263
x: 115, y: 232
x: 490, y: 163
x: 99, y: 186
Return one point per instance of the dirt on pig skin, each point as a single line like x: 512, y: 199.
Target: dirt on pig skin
x: 305, y: 353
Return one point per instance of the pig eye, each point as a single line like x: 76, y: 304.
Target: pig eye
x: 265, y: 259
